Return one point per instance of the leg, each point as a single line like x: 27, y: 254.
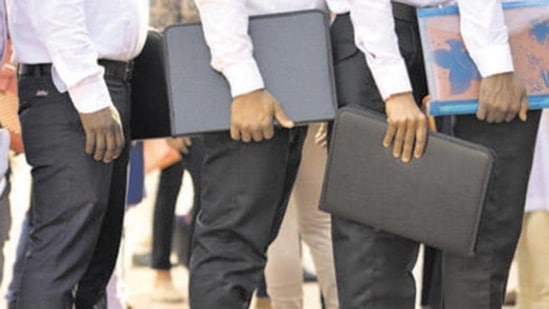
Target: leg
x: 431, y: 289
x: 93, y: 283
x: 283, y: 270
x: 315, y: 225
x: 533, y: 254
x: 193, y: 164
x: 245, y: 189
x: 70, y: 197
x: 479, y: 282
x: 169, y: 186
x: 373, y: 268
x: 5, y: 225
x: 13, y: 287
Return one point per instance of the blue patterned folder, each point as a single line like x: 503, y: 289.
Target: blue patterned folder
x: 453, y: 78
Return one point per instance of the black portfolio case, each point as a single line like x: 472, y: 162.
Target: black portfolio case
x: 437, y: 199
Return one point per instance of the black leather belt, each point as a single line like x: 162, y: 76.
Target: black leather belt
x: 116, y: 69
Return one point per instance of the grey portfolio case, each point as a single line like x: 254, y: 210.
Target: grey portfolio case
x: 437, y: 199
x: 294, y: 57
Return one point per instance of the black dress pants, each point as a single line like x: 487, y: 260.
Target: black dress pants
x: 245, y: 190
x: 373, y: 268
x: 77, y: 203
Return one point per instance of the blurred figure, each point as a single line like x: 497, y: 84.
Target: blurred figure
x: 163, y: 14
x: 5, y: 211
x: 169, y: 186
x: 533, y: 247
x: 303, y: 221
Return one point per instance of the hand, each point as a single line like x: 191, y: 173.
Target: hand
x: 104, y: 134
x: 406, y: 124
x: 502, y: 97
x: 181, y: 144
x: 321, y: 136
x: 252, y: 116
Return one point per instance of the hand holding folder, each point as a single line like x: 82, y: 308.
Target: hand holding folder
x: 437, y: 199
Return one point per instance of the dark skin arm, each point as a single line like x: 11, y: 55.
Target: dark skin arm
x: 104, y: 134
x: 252, y: 116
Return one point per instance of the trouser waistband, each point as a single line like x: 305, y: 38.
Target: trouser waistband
x: 113, y: 68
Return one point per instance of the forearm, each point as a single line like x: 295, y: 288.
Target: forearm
x: 225, y: 25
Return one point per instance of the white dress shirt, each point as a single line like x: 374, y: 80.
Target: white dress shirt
x: 4, y: 152
x: 73, y: 35
x: 482, y: 28
x: 226, y: 24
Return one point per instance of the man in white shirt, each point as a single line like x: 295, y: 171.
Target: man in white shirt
x: 74, y: 66
x: 248, y: 173
x: 377, y: 69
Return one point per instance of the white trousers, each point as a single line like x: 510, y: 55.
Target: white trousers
x: 533, y: 247
x: 303, y: 221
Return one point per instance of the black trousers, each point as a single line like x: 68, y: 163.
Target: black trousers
x: 245, y: 190
x: 373, y: 268
x: 169, y: 186
x: 77, y: 203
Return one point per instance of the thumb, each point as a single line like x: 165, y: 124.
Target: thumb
x: 523, y: 113
x: 281, y: 117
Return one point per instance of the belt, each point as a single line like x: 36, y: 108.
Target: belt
x: 116, y: 69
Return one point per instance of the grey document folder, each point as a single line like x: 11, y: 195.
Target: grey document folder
x: 294, y: 57
x: 437, y: 200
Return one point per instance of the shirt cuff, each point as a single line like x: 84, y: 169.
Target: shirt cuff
x: 90, y: 95
x: 391, y: 79
x: 243, y: 78
x: 494, y: 59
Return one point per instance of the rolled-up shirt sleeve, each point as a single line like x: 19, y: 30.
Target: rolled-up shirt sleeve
x: 74, y: 56
x: 485, y: 35
x: 225, y: 25
x: 376, y: 38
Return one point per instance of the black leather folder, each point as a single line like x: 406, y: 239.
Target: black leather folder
x: 294, y: 57
x: 150, y: 115
x: 437, y: 199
